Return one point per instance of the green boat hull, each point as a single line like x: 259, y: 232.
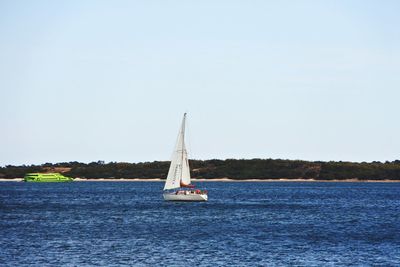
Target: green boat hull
x: 46, y: 178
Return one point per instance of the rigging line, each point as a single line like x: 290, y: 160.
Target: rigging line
x: 189, y: 151
x: 189, y: 145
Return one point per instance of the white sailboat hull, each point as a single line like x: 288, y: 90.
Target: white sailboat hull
x: 183, y: 197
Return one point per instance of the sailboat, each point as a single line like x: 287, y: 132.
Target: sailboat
x: 177, y: 186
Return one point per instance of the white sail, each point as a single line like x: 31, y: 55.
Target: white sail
x: 185, y: 167
x: 179, y: 170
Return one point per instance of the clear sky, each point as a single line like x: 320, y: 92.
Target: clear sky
x: 110, y: 80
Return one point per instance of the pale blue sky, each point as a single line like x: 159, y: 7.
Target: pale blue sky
x: 110, y: 80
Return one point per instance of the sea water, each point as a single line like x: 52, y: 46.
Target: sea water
x: 242, y: 224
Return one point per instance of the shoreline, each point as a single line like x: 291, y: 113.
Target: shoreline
x: 217, y: 180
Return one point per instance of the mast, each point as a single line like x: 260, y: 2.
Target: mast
x: 183, y: 144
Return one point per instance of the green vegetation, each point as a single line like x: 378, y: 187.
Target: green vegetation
x: 230, y: 168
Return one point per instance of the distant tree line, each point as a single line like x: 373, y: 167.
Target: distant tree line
x: 210, y: 169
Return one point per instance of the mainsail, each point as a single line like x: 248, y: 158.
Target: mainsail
x: 179, y: 171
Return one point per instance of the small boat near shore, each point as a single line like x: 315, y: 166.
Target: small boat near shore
x: 46, y: 177
x: 177, y: 186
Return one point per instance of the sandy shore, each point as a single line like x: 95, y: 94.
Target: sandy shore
x: 293, y: 180
x: 119, y: 180
x: 11, y: 180
x: 215, y: 180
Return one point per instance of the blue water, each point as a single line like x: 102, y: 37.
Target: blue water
x: 243, y: 224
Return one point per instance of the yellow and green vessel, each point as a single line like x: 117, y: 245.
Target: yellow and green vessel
x: 46, y: 177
